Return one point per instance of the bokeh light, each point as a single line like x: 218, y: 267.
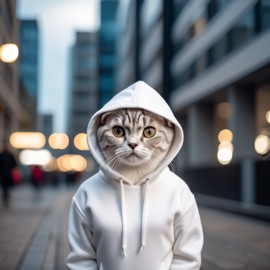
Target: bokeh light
x: 51, y: 166
x: 9, y: 52
x: 262, y: 144
x: 35, y: 157
x: 80, y: 141
x: 224, y: 110
x: 225, y: 148
x: 27, y: 140
x: 58, y: 141
x: 225, y: 153
x: 267, y: 116
x: 225, y: 135
x: 78, y: 162
x: 68, y: 163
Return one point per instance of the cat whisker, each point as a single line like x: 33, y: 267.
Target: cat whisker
x: 120, y: 151
x: 112, y: 161
x: 154, y: 160
x: 145, y: 152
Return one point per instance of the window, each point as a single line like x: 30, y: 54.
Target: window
x: 178, y: 7
x: 242, y: 31
x: 218, y: 50
x: 214, y: 6
x: 264, y: 14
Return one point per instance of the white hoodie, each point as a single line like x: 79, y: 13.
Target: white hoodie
x: 153, y: 225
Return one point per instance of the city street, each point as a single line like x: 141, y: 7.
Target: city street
x: 33, y: 234
x: 33, y: 229
x: 234, y: 242
x: 125, y: 84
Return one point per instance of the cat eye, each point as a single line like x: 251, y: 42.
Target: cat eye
x: 118, y: 131
x: 149, y: 132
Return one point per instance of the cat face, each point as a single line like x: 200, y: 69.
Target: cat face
x: 133, y: 138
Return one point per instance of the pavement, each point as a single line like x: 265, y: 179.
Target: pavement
x: 234, y: 241
x: 33, y: 234
x: 33, y: 229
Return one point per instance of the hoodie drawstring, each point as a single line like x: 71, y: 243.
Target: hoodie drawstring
x: 144, y: 216
x: 124, y: 218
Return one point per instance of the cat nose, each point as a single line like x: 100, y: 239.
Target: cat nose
x: 132, y: 145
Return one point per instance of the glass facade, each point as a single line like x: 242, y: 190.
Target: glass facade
x: 253, y: 22
x: 195, y: 23
x: 264, y: 11
x: 214, y: 6
x: 29, y: 56
x: 107, y: 59
x: 179, y: 5
x: 242, y: 31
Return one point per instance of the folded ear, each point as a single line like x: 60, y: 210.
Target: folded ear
x: 104, y: 117
x: 168, y: 123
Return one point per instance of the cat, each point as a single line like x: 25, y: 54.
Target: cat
x: 133, y: 142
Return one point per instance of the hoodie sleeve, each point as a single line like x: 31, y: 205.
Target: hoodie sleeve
x: 188, y: 237
x: 82, y: 251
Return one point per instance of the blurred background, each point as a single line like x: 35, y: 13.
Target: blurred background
x: 210, y: 59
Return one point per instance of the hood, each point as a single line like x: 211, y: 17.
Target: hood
x: 138, y: 95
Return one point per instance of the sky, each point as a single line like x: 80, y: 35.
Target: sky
x: 58, y: 20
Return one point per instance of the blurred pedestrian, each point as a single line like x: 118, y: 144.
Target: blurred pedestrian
x: 7, y: 164
x: 36, y: 176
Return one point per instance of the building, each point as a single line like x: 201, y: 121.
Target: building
x: 152, y: 43
x: 84, y: 84
x: 221, y: 92
x: 45, y: 124
x: 210, y: 59
x: 12, y: 113
x: 29, y: 69
x: 127, y: 43
x: 107, y: 50
x: 144, y: 46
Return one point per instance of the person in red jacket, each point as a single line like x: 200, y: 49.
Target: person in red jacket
x: 36, y: 176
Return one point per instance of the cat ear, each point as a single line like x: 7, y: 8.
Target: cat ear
x: 168, y: 123
x: 104, y: 117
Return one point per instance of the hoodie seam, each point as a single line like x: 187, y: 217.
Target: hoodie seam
x: 79, y: 210
x: 190, y: 204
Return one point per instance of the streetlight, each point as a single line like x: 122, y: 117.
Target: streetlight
x: 9, y: 52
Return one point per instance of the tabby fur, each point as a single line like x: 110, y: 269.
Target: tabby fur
x: 134, y: 141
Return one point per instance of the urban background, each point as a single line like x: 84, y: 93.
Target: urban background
x: 210, y: 59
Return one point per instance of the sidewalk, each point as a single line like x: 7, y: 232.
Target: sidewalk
x: 33, y: 229
x: 234, y: 242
